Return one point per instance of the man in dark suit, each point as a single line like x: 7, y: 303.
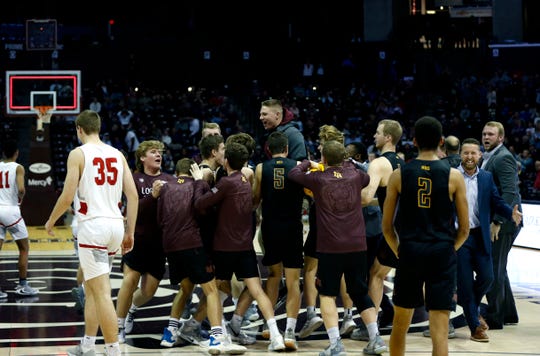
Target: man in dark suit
x: 474, y: 257
x: 498, y: 160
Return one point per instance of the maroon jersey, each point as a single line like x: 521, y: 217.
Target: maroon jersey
x: 337, y: 192
x: 176, y: 215
x: 147, y: 226
x: 232, y: 196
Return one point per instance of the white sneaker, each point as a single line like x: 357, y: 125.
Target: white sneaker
x: 240, y: 337
x: 312, y: 324
x: 290, y: 340
x: 26, y: 290
x: 222, y: 344
x: 347, y: 325
x: 128, y: 324
x: 78, y: 351
x: 277, y: 344
x: 121, y: 336
x: 169, y: 338
x: 191, y: 333
x: 3, y: 294
x: 376, y: 346
x: 252, y: 313
x: 360, y: 333
x: 337, y: 350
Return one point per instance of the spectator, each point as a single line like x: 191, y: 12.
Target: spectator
x: 124, y: 117
x: 95, y: 105
x: 131, y: 143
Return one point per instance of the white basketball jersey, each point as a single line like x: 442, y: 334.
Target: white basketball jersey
x: 100, y: 184
x: 9, y: 192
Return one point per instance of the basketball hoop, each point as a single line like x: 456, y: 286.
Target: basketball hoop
x: 44, y: 115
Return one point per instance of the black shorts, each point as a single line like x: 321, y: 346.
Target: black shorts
x: 207, y: 227
x: 385, y: 255
x: 241, y: 263
x: 332, y: 266
x: 192, y: 264
x: 373, y: 243
x: 146, y: 258
x: 429, y: 267
x: 283, y: 243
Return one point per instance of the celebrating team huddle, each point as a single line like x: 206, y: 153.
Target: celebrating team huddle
x: 200, y: 224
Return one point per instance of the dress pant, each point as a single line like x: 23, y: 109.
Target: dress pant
x: 501, y: 308
x: 472, y: 258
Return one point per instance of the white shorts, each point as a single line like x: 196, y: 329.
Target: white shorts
x: 74, y: 229
x: 11, y: 220
x: 99, y: 240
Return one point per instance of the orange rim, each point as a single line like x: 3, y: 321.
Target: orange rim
x: 43, y: 109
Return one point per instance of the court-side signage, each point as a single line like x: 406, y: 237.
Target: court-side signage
x: 529, y: 236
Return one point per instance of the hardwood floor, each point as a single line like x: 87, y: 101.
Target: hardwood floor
x: 48, y: 323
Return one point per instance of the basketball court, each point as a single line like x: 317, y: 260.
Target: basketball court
x: 48, y: 324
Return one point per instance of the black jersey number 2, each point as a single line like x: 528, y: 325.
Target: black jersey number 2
x: 424, y: 192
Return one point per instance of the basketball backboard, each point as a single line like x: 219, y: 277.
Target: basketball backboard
x: 41, y: 34
x: 60, y: 89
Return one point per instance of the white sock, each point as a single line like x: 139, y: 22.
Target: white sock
x: 88, y: 340
x: 112, y: 349
x: 272, y: 327
x: 291, y: 324
x: 373, y: 330
x: 88, y: 343
x: 333, y: 335
x: 236, y: 322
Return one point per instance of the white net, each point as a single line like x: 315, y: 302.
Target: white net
x: 43, y: 116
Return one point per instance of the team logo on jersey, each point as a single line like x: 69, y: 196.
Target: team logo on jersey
x: 40, y: 168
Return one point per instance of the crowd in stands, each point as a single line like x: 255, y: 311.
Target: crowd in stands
x: 462, y: 104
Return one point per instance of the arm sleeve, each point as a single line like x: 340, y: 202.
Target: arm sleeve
x: 298, y: 173
x: 507, y: 172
